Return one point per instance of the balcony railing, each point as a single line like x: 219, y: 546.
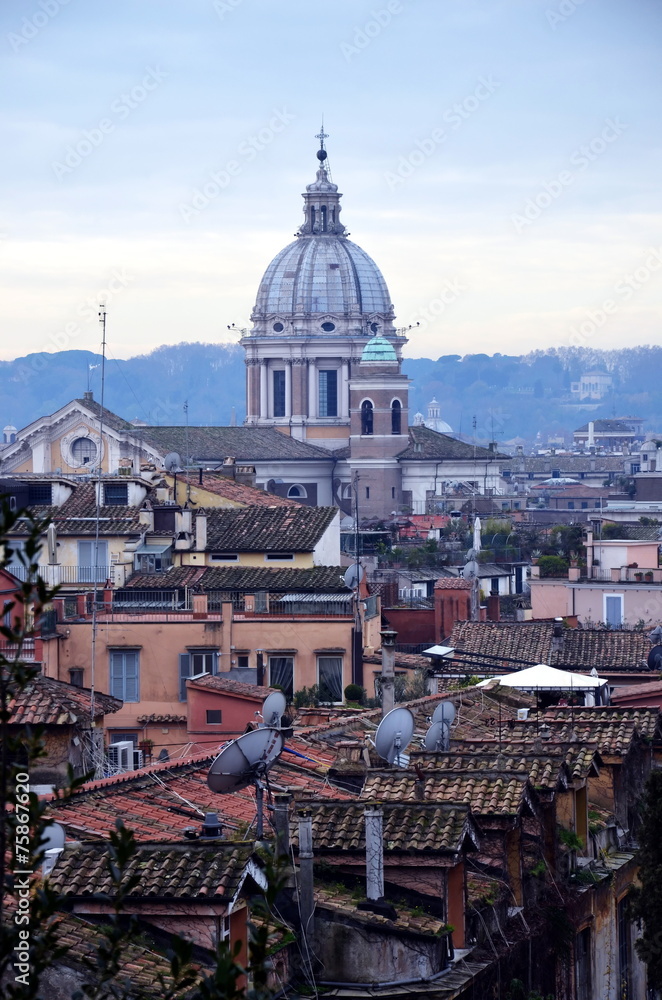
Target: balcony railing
x: 11, y: 650
x: 56, y: 575
x: 624, y: 574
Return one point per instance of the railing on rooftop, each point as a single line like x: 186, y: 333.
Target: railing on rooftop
x: 624, y: 574
x: 56, y: 575
x: 11, y: 650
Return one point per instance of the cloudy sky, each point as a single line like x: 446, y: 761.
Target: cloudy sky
x: 500, y: 159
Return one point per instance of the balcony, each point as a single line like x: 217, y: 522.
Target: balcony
x: 27, y: 650
x: 624, y: 574
x: 57, y: 575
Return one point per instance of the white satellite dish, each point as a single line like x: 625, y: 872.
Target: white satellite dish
x: 394, y: 735
x: 246, y: 761
x: 353, y: 575
x: 437, y: 737
x: 444, y: 712
x: 173, y: 462
x: 470, y: 570
x: 273, y: 709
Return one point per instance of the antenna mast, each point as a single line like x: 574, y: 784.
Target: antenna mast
x: 95, y: 565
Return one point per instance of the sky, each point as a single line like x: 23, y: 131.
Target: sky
x: 499, y: 159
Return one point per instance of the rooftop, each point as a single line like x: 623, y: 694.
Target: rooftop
x: 267, y: 529
x: 47, y: 702
x: 244, y: 444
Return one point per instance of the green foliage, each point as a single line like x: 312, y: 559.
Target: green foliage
x: 307, y: 697
x: 570, y: 839
x: 517, y: 991
x: 553, y: 566
x: 468, y: 681
x: 538, y: 869
x: 355, y: 693
x: 647, y: 900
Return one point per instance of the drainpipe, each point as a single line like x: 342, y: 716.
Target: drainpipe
x: 374, y: 853
x: 306, y: 896
x: 282, y: 823
x: 388, y: 670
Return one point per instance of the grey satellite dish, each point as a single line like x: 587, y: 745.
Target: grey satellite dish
x: 246, y: 761
x: 273, y: 709
x: 394, y: 735
x: 353, y: 575
x: 437, y: 737
x: 470, y: 570
x: 444, y: 712
x: 172, y: 462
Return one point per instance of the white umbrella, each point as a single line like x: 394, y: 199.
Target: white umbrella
x: 545, y: 678
x: 477, y: 535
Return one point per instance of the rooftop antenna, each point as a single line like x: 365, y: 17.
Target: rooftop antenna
x: 95, y: 565
x: 273, y: 710
x: 188, y: 457
x: 246, y: 761
x: 394, y: 735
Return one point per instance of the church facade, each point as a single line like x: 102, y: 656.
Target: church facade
x: 327, y: 403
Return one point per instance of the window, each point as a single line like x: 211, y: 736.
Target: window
x: 645, y: 458
x: 596, y: 503
x: 396, y: 417
x: 584, y: 504
x: 392, y: 492
x: 278, y: 327
x: 242, y: 661
x: 260, y: 604
x: 281, y: 674
x: 116, y: 494
x: 494, y: 585
x: 76, y: 676
x: 329, y: 674
x: 571, y: 504
x: 330, y: 327
x: 613, y: 610
x: 556, y: 473
x: 125, y: 674
x: 507, y: 473
x: 92, y: 562
x: 367, y: 492
x: 153, y: 562
x: 279, y: 556
x: 635, y: 467
x: 366, y: 417
x: 328, y: 393
x: 297, y: 492
x: 224, y: 557
x: 40, y: 493
x: 214, y: 716
x: 196, y: 661
x: 583, y: 964
x: 530, y: 475
x: 279, y: 393
x: 83, y: 451
x: 118, y: 736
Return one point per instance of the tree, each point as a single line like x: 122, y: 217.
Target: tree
x: 647, y: 900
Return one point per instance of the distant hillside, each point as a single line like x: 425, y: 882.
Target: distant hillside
x: 508, y: 395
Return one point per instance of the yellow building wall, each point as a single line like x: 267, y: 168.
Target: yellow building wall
x: 199, y: 495
x: 302, y: 560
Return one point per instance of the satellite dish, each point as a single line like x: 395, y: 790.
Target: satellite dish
x: 172, y: 462
x: 353, y: 575
x: 273, y: 709
x: 470, y: 569
x: 437, y: 736
x: 394, y: 735
x: 53, y: 837
x: 655, y: 658
x: 444, y: 712
x: 245, y: 761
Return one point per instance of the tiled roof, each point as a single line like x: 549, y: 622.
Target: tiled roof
x: 440, y: 827
x: 229, y: 686
x: 161, y: 801
x: 568, y: 465
x: 317, y: 579
x: 409, y: 920
x: 244, y: 444
x: 532, y: 642
x: 606, y: 425
x: 110, y: 419
x: 486, y: 792
x: 452, y: 583
x: 239, y: 493
x: 142, y: 970
x: 77, y: 515
x: 47, y: 702
x: 425, y: 443
x: 184, y: 871
x: 637, y: 532
x: 615, y: 738
x: 267, y: 529
x: 544, y: 768
x: 647, y: 721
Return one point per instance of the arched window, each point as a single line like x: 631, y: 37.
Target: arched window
x: 396, y: 417
x: 297, y: 492
x: 323, y: 213
x: 366, y: 417
x: 84, y: 451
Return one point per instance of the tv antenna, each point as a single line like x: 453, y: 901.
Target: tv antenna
x: 246, y: 761
x: 273, y: 710
x: 394, y: 735
x: 438, y: 736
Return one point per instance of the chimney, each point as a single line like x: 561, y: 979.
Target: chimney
x: 211, y: 827
x: 306, y: 896
x: 88, y: 397
x: 493, y: 607
x: 388, y: 670
x: 591, y: 434
x: 557, y: 636
x: 201, y: 532
x: 51, y: 536
x: 374, y: 853
x: 146, y: 518
x: 282, y: 823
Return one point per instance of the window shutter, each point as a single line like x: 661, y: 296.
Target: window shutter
x: 116, y: 676
x: 131, y: 676
x: 184, y: 672
x: 214, y: 668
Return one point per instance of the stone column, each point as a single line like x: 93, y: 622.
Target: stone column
x: 264, y: 371
x: 288, y: 388
x: 344, y: 390
x: 312, y: 389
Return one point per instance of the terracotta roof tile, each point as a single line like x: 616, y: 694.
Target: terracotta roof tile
x: 239, y: 493
x: 229, y: 686
x: 409, y: 920
x: 317, y: 579
x: 46, y: 702
x: 267, y: 529
x: 485, y: 792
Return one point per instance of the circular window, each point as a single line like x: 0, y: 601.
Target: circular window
x: 328, y: 327
x: 84, y: 451
x: 374, y: 327
x: 278, y: 327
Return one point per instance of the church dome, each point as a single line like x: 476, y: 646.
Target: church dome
x: 378, y: 349
x: 323, y: 274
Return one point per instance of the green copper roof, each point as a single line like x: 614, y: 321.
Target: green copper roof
x: 378, y: 349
